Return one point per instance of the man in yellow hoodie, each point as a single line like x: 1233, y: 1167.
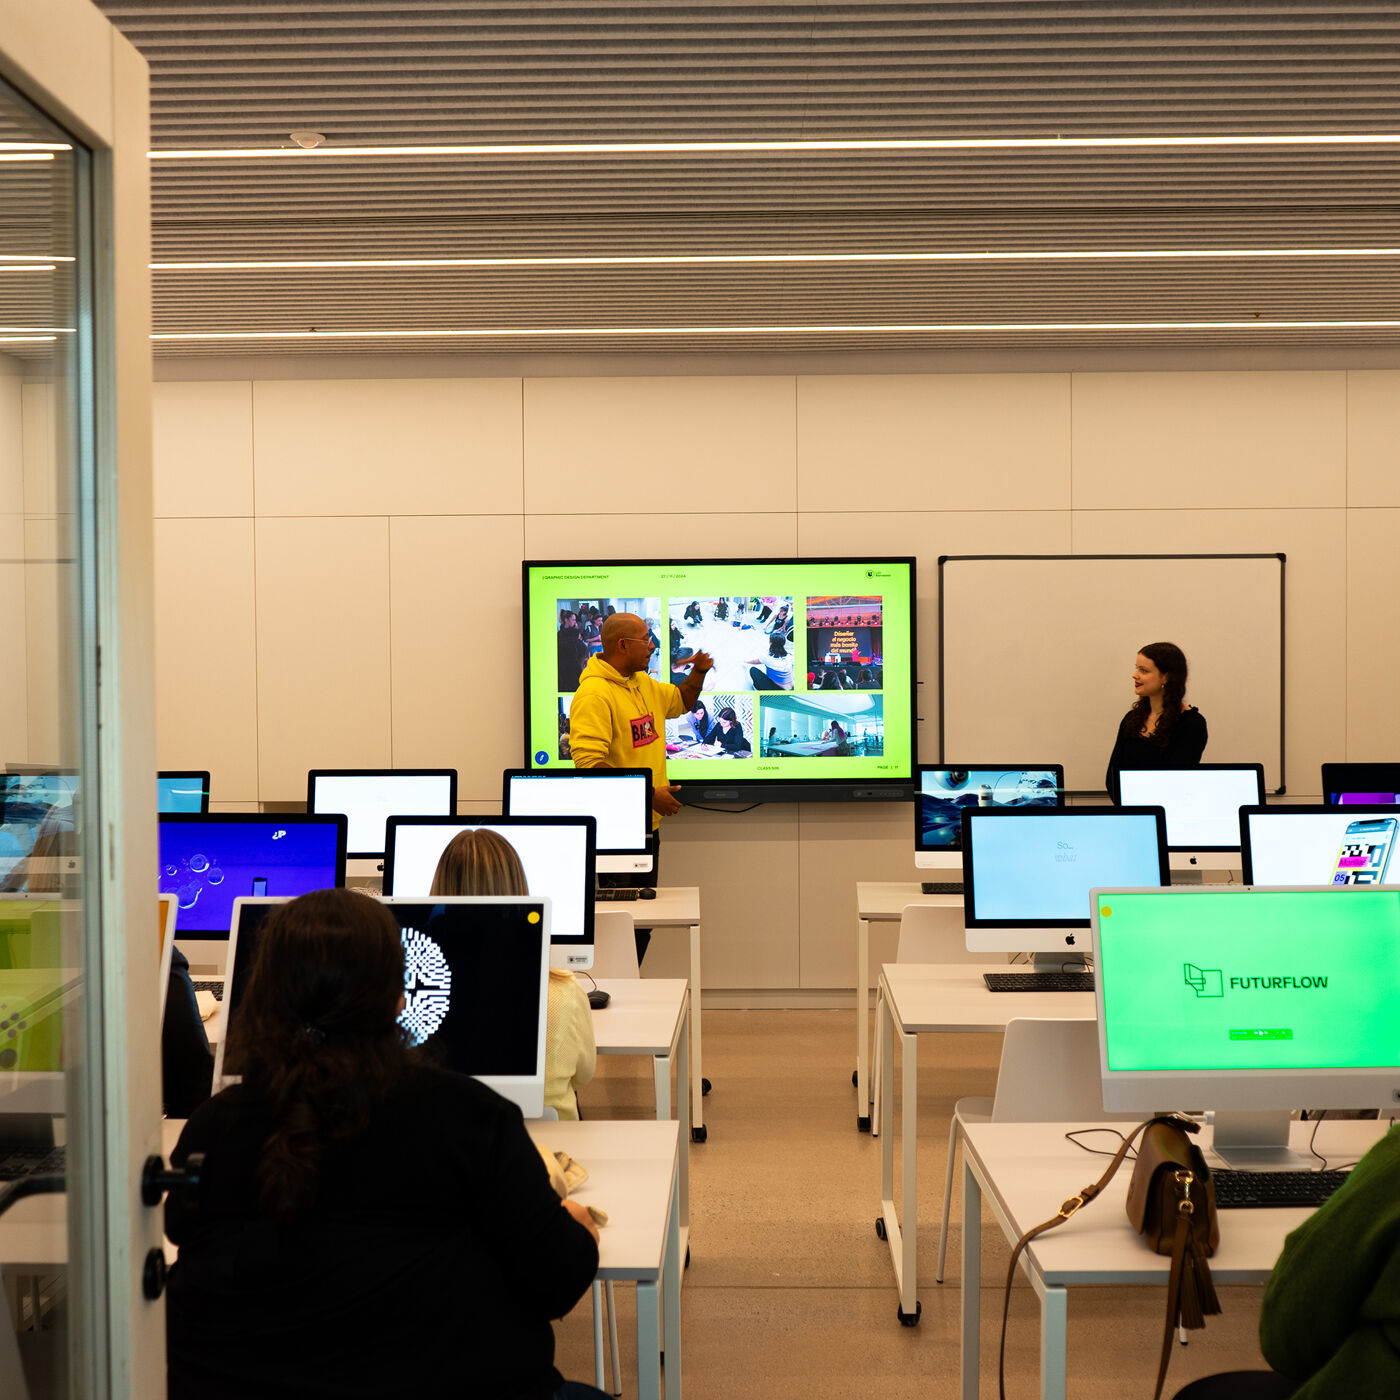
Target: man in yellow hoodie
x: 618, y: 715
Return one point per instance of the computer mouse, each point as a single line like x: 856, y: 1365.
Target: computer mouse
x: 646, y: 893
x: 598, y: 998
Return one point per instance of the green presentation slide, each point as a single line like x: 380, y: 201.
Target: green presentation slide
x: 813, y: 673
x: 1251, y: 980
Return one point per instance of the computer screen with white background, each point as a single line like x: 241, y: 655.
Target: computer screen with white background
x: 557, y: 854
x: 1322, y: 845
x: 1251, y: 1001
x: 1027, y: 872
x: 370, y: 796
x: 1202, y: 803
x: 620, y: 802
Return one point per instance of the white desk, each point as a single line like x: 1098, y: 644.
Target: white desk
x: 650, y: 1016
x: 879, y: 902
x: 1027, y: 1169
x: 919, y: 999
x: 678, y: 906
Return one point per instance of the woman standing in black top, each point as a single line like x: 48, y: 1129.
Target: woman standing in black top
x: 367, y: 1226
x: 1161, y: 730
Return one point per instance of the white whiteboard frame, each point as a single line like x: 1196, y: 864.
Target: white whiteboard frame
x: 944, y: 560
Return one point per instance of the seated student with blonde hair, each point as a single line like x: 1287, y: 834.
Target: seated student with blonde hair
x: 484, y: 862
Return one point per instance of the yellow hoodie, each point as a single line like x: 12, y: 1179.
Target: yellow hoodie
x: 621, y: 721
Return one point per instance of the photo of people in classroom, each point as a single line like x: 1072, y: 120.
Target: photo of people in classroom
x: 749, y: 637
x: 580, y: 622
x: 845, y: 644
x: 720, y: 726
x: 822, y: 726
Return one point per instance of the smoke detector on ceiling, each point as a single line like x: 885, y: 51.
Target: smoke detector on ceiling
x: 307, y: 140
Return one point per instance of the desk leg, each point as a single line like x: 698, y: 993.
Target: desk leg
x: 863, y: 1085
x: 1054, y: 1329
x: 683, y: 1113
x: 909, y: 1307
x: 903, y: 1236
x: 648, y: 1341
x: 971, y: 1282
x: 697, y: 1086
x: 671, y: 1269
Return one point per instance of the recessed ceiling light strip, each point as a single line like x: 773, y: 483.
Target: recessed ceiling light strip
x: 645, y: 148
x: 706, y: 259
x: 27, y: 267
x: 536, y: 332
x: 34, y: 257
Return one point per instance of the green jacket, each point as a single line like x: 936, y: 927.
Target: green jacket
x: 1331, y: 1315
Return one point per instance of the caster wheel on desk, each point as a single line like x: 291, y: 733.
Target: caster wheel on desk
x: 855, y: 1079
x: 909, y: 1319
x: 863, y: 1123
x: 705, y: 1086
x: 699, y: 1134
x: 880, y: 1227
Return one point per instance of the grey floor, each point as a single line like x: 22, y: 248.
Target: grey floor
x: 790, y: 1293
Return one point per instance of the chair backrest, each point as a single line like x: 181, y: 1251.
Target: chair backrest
x: 934, y: 933
x: 614, y: 944
x: 1049, y: 1073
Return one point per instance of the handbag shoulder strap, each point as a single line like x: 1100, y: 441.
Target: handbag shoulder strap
x: 1075, y: 1203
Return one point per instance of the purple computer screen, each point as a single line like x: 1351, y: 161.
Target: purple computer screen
x: 206, y: 865
x: 1364, y: 799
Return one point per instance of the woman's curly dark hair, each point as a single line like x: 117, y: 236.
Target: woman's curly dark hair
x: 1170, y: 660
x: 318, y: 1034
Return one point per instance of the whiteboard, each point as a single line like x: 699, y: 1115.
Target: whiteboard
x: 1036, y: 654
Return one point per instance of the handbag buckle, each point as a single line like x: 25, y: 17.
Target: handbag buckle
x: 1069, y: 1207
x: 1185, y: 1206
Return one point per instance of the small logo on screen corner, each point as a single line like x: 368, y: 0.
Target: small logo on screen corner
x: 541, y: 757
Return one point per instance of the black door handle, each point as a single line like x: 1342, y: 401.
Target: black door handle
x: 157, y: 1178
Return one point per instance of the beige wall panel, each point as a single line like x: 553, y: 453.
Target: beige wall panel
x: 746, y: 867
x: 934, y: 441
x: 842, y: 843
x: 232, y: 806
x: 627, y: 446
x: 323, y: 650
x: 206, y: 654
x: 1373, y: 637
x: 455, y: 586
x: 11, y: 445
x: 663, y: 537
x: 387, y: 447
x: 1239, y: 439
x: 14, y: 694
x: 203, y: 448
x: 40, y: 465
x: 1373, y: 437
x: 1315, y: 643
x: 926, y: 535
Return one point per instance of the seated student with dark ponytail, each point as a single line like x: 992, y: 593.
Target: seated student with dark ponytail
x: 368, y: 1226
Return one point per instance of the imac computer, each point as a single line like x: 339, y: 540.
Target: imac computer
x: 476, y: 981
x: 1361, y: 784
x: 40, y: 832
x: 1028, y: 872
x: 1203, y: 809
x: 184, y: 790
x: 1250, y: 1002
x: 208, y: 861
x: 618, y: 799
x: 943, y: 791
x: 1334, y: 846
x: 370, y: 796
x: 557, y: 854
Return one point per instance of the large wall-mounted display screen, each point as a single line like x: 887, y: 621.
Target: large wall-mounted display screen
x: 814, y: 666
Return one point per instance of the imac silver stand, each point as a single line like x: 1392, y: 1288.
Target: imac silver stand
x: 1071, y: 960
x: 1256, y: 1139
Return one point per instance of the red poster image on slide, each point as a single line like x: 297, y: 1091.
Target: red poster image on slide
x: 643, y: 731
